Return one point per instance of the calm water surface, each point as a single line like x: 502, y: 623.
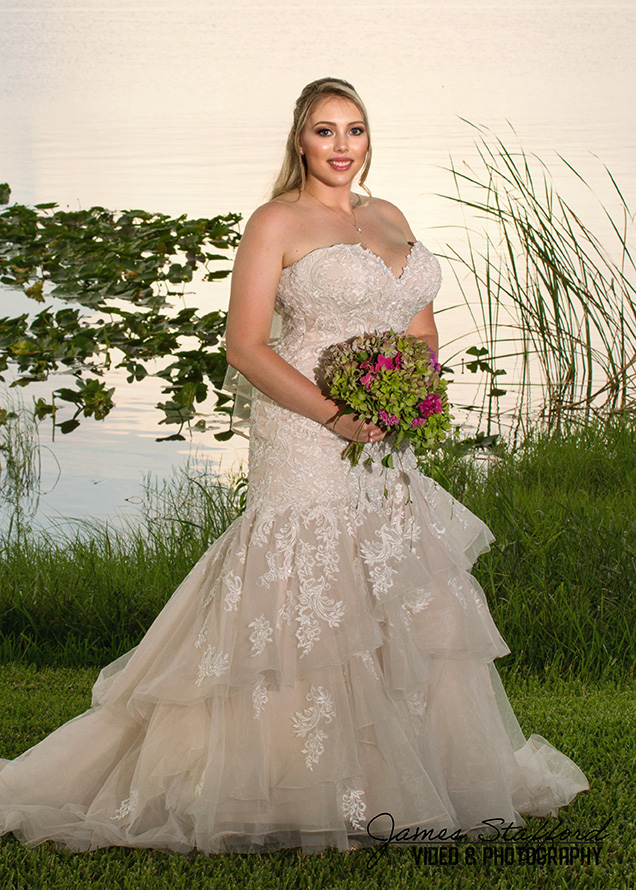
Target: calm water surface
x: 185, y: 108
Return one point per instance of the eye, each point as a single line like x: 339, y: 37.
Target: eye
x: 357, y: 131
x: 324, y: 131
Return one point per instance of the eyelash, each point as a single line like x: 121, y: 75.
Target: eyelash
x: 323, y: 130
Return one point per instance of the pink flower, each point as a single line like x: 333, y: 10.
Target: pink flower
x: 367, y: 380
x: 384, y: 362
x: 432, y: 404
x: 389, y: 419
x: 418, y: 421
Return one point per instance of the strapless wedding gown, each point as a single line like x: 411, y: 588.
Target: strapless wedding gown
x: 327, y: 660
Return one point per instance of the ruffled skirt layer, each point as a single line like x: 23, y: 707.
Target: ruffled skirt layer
x: 316, y: 669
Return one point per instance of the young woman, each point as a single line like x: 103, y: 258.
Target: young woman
x: 327, y: 665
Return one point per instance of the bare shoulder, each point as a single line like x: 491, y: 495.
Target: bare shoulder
x: 276, y: 216
x: 269, y: 228
x: 389, y: 213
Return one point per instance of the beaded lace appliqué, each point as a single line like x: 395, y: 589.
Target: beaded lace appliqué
x: 213, y: 664
x: 306, y: 724
x: 126, y: 808
x: 261, y: 635
x: 353, y: 807
x: 260, y: 697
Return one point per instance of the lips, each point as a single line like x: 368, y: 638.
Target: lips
x: 340, y: 163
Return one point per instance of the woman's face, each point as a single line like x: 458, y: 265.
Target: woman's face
x: 334, y: 141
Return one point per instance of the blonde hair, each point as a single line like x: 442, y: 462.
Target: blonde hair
x: 293, y: 173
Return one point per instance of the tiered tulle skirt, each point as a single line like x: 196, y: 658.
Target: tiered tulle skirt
x: 317, y: 668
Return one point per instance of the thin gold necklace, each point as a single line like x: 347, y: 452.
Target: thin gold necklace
x: 355, y: 221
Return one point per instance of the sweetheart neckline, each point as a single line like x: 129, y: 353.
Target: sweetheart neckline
x: 368, y: 250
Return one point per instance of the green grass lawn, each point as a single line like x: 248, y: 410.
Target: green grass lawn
x: 560, y: 582
x: 594, y: 723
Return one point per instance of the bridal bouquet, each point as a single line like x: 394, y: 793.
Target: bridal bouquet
x: 394, y: 380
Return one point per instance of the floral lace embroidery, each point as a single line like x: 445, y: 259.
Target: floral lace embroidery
x: 306, y: 602
x: 234, y: 590
x: 261, y: 635
x: 311, y: 606
x: 353, y: 807
x: 416, y: 604
x: 368, y: 660
x: 306, y: 724
x: 260, y: 697
x: 456, y: 587
x: 203, y: 635
x: 126, y: 808
x: 377, y: 555
x: 213, y: 664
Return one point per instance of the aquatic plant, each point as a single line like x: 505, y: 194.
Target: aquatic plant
x: 104, y: 262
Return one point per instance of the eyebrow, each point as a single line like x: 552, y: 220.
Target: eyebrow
x: 332, y: 123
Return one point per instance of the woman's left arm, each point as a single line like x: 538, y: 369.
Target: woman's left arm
x: 424, y: 328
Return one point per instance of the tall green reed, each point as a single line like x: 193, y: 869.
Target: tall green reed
x: 549, y: 295
x: 20, y: 463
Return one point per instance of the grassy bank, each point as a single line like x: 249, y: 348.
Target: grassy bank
x: 559, y: 579
x: 594, y: 722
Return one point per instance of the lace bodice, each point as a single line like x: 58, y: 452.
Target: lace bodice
x: 337, y: 292
x: 329, y: 295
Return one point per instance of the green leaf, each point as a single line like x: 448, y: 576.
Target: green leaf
x: 68, y: 426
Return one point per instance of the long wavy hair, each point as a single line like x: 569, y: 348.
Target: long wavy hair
x: 293, y: 173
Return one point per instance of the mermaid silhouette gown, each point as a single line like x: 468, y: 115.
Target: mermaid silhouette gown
x: 327, y: 660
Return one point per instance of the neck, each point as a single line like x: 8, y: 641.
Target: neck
x: 338, y: 197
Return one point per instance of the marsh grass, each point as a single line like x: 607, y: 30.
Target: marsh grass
x: 545, y: 294
x: 85, y: 593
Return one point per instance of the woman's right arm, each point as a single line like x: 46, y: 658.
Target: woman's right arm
x: 257, y: 269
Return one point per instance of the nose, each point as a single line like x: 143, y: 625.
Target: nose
x: 342, y: 142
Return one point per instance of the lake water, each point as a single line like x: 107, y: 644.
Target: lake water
x: 185, y: 107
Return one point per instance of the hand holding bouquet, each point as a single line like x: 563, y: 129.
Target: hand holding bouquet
x: 392, y: 379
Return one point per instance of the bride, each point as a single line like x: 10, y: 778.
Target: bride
x: 327, y: 664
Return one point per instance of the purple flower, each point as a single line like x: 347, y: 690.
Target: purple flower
x: 432, y: 404
x: 389, y: 419
x: 367, y: 380
x: 436, y: 366
x: 418, y: 421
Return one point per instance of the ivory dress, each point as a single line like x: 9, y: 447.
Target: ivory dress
x: 327, y: 660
